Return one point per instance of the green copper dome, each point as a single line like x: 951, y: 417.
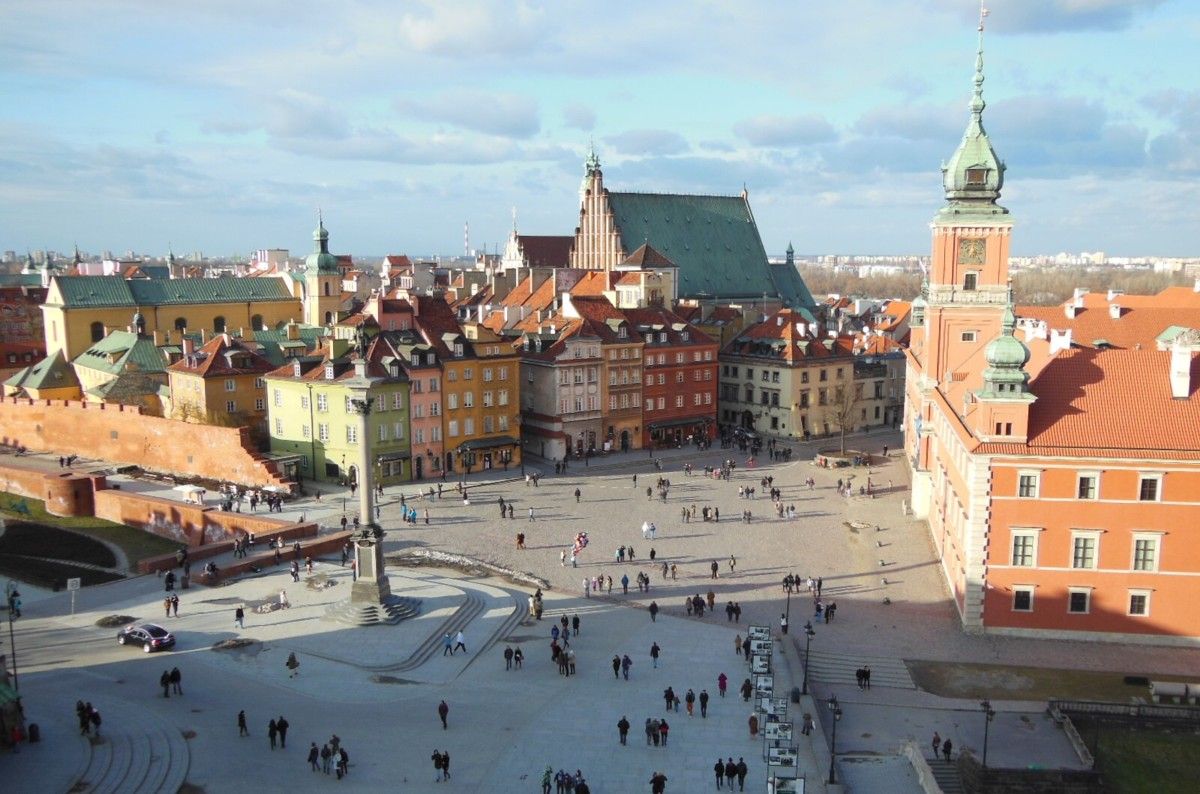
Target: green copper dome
x: 320, y: 261
x: 1005, y: 376
x: 974, y: 175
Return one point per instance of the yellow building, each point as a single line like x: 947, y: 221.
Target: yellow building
x: 79, y: 309
x: 322, y: 281
x: 52, y: 378
x: 220, y: 383
x: 480, y: 388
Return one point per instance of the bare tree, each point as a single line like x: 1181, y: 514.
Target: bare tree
x: 843, y: 410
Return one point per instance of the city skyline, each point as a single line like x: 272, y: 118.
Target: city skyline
x: 123, y: 131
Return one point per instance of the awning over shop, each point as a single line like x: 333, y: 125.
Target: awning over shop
x: 675, y: 423
x: 387, y: 456
x: 490, y: 443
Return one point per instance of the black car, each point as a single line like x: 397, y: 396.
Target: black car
x: 147, y: 635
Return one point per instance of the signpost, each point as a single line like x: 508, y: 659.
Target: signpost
x: 73, y: 585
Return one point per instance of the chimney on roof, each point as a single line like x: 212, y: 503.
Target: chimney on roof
x: 226, y: 340
x: 1071, y: 310
x: 1112, y: 293
x: 203, y: 336
x: 189, y: 347
x: 1181, y: 368
x: 779, y: 321
x: 1114, y: 311
x: 1196, y: 285
x: 166, y: 337
x: 157, y: 338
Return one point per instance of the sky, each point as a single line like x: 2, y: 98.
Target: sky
x: 221, y: 125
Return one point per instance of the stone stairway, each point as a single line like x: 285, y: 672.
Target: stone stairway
x: 136, y: 753
x: 947, y: 777
x: 834, y: 668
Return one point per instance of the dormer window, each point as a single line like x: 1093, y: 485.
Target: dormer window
x: 622, y: 332
x: 329, y: 372
x: 295, y: 369
x: 976, y: 177
x: 686, y: 336
x: 416, y: 359
x: 458, y: 349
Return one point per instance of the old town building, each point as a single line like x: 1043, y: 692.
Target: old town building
x: 221, y: 382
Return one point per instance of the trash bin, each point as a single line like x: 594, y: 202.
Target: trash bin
x: 34, y: 733
x: 795, y: 694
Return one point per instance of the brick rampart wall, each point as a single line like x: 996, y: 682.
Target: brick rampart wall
x: 66, y: 493
x: 124, y: 435
x: 188, y: 524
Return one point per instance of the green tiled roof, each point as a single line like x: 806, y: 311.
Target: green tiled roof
x: 128, y: 348
x: 20, y: 279
x: 79, y: 291
x: 713, y: 239
x: 49, y: 373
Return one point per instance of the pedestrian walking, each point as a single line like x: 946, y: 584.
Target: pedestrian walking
x: 730, y: 772
x: 704, y: 703
x: 947, y: 747
x: 937, y: 744
x: 531, y: 514
x: 437, y: 765
x: 175, y: 605
x: 164, y: 681
x: 508, y: 657
x: 313, y: 756
x: 653, y: 611
x: 281, y: 725
x: 176, y: 681
x: 326, y: 755
x: 293, y: 665
x: 460, y: 642
x: 626, y: 663
x: 690, y: 700
x: 722, y: 683
x: 714, y: 567
x: 623, y: 729
x: 443, y: 712
x: 732, y: 563
x: 576, y: 496
x: 719, y: 771
x: 239, y: 617
x: 272, y: 732
x: 654, y: 651
x: 742, y: 771
x: 242, y: 729
x: 447, y: 644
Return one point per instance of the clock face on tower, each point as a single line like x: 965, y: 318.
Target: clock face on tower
x: 971, y: 251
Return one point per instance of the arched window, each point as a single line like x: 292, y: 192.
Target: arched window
x: 218, y: 324
x: 326, y: 289
x: 97, y: 331
x: 180, y: 324
x: 256, y: 323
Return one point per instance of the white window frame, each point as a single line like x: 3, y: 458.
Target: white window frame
x: 1158, y: 491
x: 1023, y: 588
x: 322, y: 403
x: 1085, y: 534
x: 230, y: 384
x: 1157, y: 537
x: 1129, y: 596
x: 1087, y: 591
x: 1095, y: 475
x: 1022, y: 532
x: 1036, y: 474
x: 323, y: 432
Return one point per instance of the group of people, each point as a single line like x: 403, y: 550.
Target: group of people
x: 171, y: 681
x: 730, y: 772
x: 331, y: 754
x: 564, y: 782
x: 89, y: 718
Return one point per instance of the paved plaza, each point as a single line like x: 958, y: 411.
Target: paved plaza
x: 378, y: 688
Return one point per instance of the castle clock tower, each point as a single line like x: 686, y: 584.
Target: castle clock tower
x: 322, y: 280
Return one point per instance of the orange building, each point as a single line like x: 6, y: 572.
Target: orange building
x: 1058, y: 476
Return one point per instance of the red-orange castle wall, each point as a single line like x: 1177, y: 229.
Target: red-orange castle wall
x: 66, y: 493
x: 123, y: 435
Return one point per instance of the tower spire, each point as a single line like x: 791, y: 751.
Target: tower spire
x: 977, y: 103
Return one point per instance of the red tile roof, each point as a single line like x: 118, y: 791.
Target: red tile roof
x: 1138, y: 324
x: 546, y: 250
x: 1113, y: 400
x: 216, y: 360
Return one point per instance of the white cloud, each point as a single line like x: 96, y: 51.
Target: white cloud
x: 785, y: 131
x: 481, y: 111
x: 640, y: 143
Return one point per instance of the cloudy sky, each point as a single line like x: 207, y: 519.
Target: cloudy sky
x: 220, y: 125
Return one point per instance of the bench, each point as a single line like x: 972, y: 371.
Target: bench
x: 1169, y: 691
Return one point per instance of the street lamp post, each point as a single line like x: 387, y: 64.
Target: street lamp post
x: 12, y: 644
x: 808, y: 635
x: 832, y: 703
x: 520, y: 442
x: 989, y: 714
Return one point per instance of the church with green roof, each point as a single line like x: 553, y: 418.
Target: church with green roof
x: 712, y: 242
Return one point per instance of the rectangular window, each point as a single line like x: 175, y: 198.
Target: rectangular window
x: 487, y: 374
x: 452, y: 428
x: 679, y: 377
x: 383, y: 431
x: 649, y: 404
x: 433, y: 384
x: 503, y: 373
x: 1079, y: 600
x: 822, y: 397
x: 1022, y: 598
x: 503, y: 397
x: 259, y: 383
x: 468, y: 399
x: 695, y: 399
x: 304, y: 401
x: 824, y: 376
x: 1083, y: 549
x: 397, y: 400
x: 503, y: 426
x: 708, y: 398
x: 968, y: 336
x: 775, y: 399
x: 488, y: 399
x: 230, y: 406
x: 278, y: 398
x: 749, y: 373
x: 452, y: 402
x: 1139, y: 603
x: 468, y: 426
x: 662, y: 379
x: 419, y: 435
x: 488, y: 424
x: 259, y: 405
x: 969, y: 281
x: 1145, y: 552
x: 766, y: 376
x: 678, y: 400
x: 322, y: 402
x: 578, y: 404
x: 1088, y: 486
x: 1024, y: 548
x: 1027, y: 485
x: 452, y: 375
x: 1150, y: 488
x: 322, y: 432
x: 612, y: 402
x: 230, y: 384
x: 306, y: 431
x: 435, y: 409
x: 278, y: 426
x: 351, y: 434
x: 662, y: 403
x: 418, y: 411
x: 436, y: 433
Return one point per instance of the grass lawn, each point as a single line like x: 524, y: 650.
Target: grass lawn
x: 136, y: 543
x: 1010, y: 682
x: 1144, y: 762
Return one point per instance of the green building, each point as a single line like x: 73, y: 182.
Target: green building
x: 313, y: 425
